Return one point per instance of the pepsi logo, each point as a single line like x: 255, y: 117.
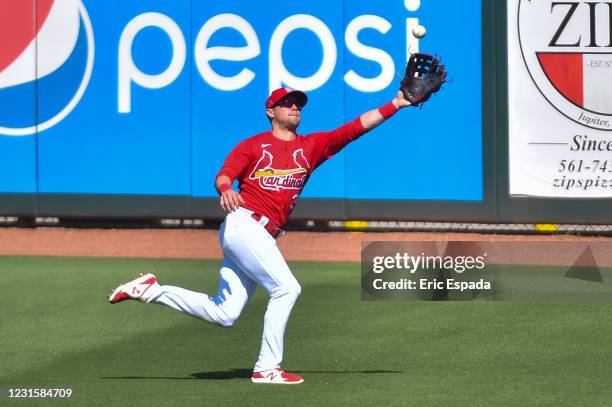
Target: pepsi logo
x: 46, y: 61
x: 567, y: 49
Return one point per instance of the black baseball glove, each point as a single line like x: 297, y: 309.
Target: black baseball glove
x: 424, y: 77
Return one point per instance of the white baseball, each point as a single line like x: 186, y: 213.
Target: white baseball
x: 419, y: 31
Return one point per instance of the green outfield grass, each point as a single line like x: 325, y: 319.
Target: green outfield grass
x: 59, y: 331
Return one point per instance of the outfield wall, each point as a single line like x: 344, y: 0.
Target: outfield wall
x: 128, y: 110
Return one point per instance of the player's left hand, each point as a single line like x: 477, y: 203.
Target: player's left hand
x: 401, y: 101
x: 424, y: 76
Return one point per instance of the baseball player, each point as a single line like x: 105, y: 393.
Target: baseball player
x: 272, y: 169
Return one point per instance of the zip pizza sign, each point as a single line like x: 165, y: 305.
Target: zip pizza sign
x: 567, y: 49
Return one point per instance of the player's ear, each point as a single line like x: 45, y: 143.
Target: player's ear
x: 270, y: 113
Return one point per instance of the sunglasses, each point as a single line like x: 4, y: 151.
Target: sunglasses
x: 288, y: 103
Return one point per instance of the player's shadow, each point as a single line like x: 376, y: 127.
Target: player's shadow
x: 224, y: 374
x: 219, y: 375
x: 246, y: 374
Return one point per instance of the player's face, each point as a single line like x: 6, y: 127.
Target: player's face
x: 287, y: 112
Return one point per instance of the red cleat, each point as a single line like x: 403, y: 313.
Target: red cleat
x: 276, y: 376
x: 133, y: 290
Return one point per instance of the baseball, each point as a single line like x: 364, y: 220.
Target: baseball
x: 419, y: 31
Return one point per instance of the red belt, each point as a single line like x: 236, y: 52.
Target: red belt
x: 270, y: 226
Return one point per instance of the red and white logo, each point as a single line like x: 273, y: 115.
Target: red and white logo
x: 46, y: 59
x: 567, y: 48
x: 275, y: 179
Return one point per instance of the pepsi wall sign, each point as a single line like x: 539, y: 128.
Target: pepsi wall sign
x: 148, y: 97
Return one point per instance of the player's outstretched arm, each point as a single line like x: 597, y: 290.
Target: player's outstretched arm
x: 375, y: 117
x: 230, y: 200
x: 335, y: 140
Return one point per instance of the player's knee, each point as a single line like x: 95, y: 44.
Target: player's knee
x: 287, y: 290
x: 230, y: 316
x: 297, y: 289
x: 227, y: 323
x: 294, y: 289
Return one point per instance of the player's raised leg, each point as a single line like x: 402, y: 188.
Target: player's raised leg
x: 235, y: 289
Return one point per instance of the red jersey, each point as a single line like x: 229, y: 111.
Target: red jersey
x: 272, y: 172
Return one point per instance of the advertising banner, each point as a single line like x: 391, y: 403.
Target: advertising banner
x: 560, y: 99
x: 148, y: 97
x: 18, y: 97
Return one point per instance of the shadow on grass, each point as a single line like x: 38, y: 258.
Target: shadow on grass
x: 246, y: 374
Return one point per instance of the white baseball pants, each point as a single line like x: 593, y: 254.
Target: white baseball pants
x: 251, y: 257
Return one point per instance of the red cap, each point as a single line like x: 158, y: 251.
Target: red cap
x: 281, y: 93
